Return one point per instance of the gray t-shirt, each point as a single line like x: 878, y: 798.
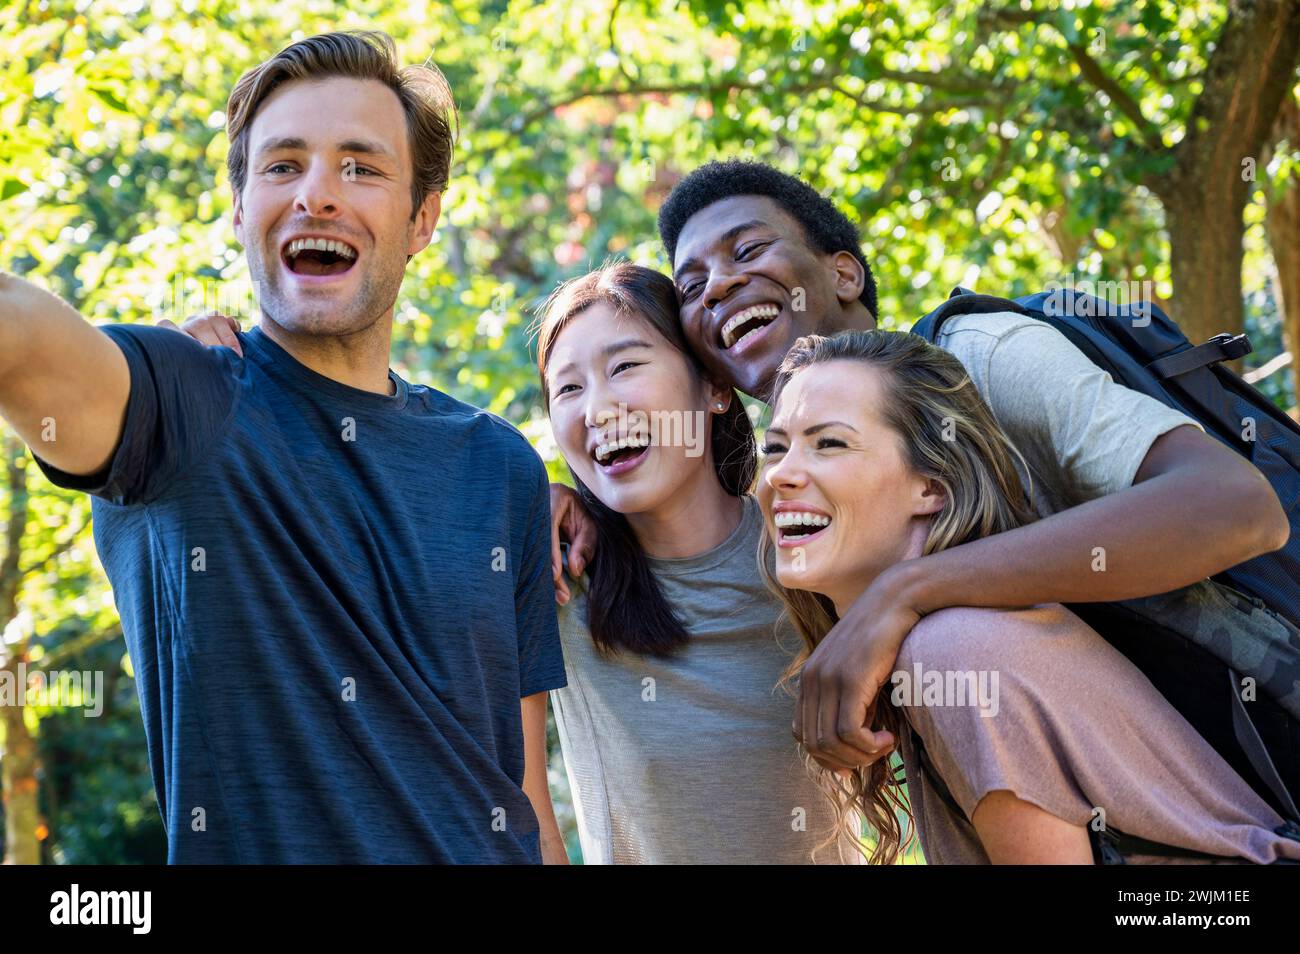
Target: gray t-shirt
x: 1082, y: 435
x: 690, y: 759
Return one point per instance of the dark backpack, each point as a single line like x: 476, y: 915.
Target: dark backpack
x: 1141, y: 348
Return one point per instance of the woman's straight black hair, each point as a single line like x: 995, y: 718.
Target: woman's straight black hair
x: 626, y: 607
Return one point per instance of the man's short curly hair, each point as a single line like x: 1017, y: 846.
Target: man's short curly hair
x: 826, y: 227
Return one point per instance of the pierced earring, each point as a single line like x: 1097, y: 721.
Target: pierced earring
x: 720, y: 406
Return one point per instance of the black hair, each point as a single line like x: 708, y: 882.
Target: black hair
x: 826, y: 227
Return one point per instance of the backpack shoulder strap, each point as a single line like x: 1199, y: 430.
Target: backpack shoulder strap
x: 963, y: 301
x: 932, y: 777
x: 1222, y: 347
x: 1249, y: 739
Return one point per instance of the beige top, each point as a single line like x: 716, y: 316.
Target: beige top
x: 1036, y: 703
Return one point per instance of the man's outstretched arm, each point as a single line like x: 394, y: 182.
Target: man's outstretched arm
x: 63, y: 383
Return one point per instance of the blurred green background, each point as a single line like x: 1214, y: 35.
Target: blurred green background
x: 996, y: 145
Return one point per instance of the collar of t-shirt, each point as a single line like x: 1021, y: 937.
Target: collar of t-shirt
x: 259, y: 347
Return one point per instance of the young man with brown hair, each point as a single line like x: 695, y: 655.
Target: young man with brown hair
x: 333, y: 583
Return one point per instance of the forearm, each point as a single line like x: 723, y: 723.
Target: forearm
x: 533, y: 712
x: 1154, y: 537
x: 552, y: 842
x: 553, y: 850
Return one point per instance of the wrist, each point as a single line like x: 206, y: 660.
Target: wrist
x: 910, y: 584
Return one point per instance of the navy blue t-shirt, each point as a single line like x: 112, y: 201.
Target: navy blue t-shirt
x: 333, y: 601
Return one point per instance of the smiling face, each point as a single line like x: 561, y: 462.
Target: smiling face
x: 840, y: 499
x: 325, y: 213
x: 750, y: 285
x: 630, y: 414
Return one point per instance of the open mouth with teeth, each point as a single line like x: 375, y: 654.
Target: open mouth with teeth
x: 740, y: 326
x: 798, y: 526
x: 616, y: 455
x: 319, y: 256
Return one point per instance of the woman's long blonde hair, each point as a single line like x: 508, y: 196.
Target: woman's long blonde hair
x: 947, y: 434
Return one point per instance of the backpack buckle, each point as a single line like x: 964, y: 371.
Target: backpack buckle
x: 1222, y: 347
x: 1234, y: 346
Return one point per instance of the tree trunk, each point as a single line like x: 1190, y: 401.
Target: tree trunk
x: 22, y: 814
x: 1205, y: 251
x: 1247, y: 77
x: 18, y: 765
x: 1282, y: 224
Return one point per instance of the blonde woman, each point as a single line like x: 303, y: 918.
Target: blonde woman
x: 880, y: 451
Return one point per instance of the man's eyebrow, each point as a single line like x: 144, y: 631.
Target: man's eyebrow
x: 723, y: 239
x: 809, y: 431
x: 367, y: 147
x: 364, y: 146
x: 282, y: 143
x: 623, y: 344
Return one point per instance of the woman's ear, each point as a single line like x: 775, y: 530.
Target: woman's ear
x: 720, y: 397
x: 930, y: 498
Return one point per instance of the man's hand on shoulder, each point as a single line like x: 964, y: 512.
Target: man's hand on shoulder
x: 571, y: 523
x: 212, y: 329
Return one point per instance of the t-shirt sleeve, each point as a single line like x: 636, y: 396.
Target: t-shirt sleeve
x: 182, y: 397
x: 1054, y: 403
x: 541, y: 660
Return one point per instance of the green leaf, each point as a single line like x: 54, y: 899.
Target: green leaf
x: 110, y: 99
